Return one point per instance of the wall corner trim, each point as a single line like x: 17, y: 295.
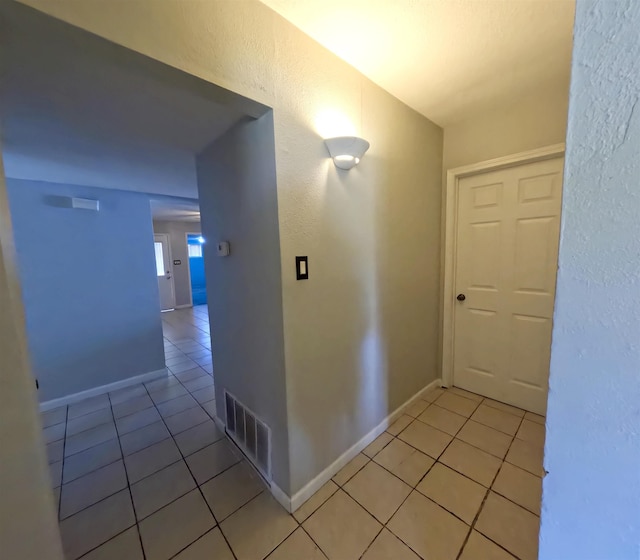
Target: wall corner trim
x: 282, y: 497
x: 220, y: 424
x: 102, y: 389
x: 291, y: 504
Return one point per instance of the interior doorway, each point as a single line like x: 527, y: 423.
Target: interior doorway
x: 163, y: 270
x: 503, y: 224
x: 197, y: 281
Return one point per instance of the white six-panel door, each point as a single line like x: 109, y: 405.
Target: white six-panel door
x: 163, y: 271
x: 508, y: 226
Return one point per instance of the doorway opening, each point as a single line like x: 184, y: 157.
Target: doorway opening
x: 502, y: 235
x: 174, y: 219
x: 198, y: 283
x: 127, y: 394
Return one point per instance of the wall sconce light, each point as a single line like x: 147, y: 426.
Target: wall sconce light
x: 346, y: 151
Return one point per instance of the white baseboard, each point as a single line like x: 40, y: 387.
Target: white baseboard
x: 183, y: 306
x: 76, y: 397
x: 282, y: 497
x: 291, y: 504
x: 219, y: 424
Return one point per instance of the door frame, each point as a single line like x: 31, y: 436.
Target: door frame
x: 186, y: 244
x: 167, y: 239
x: 450, y: 215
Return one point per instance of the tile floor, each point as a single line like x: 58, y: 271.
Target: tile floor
x: 144, y: 473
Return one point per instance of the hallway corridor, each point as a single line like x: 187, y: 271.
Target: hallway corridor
x: 144, y: 473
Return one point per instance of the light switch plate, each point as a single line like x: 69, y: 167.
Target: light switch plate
x: 302, y: 268
x: 223, y: 249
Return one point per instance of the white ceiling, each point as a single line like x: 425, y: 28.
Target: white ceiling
x: 175, y: 210
x: 76, y: 109
x: 448, y: 59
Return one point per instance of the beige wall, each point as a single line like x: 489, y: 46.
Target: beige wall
x: 239, y: 203
x: 360, y: 334
x: 28, y: 526
x: 525, y: 124
x: 177, y: 232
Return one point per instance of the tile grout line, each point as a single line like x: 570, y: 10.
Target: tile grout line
x: 102, y: 500
x: 301, y: 526
x: 218, y: 524
x: 488, y: 490
x: 435, y: 462
x: 122, y: 456
x: 124, y: 466
x: 413, y: 488
x: 339, y: 486
x: 126, y: 473
x: 471, y: 527
x: 118, y: 437
x: 484, y: 500
x: 369, y: 459
x: 147, y: 476
x: 215, y: 519
x: 64, y: 447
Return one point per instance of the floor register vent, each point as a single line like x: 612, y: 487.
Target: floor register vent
x: 251, y: 435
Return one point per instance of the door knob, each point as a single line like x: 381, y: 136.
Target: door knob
x: 461, y: 297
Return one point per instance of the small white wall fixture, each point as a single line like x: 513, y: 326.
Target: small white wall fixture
x: 85, y: 204
x: 346, y: 151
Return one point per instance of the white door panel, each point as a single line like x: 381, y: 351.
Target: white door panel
x: 164, y: 271
x: 506, y: 262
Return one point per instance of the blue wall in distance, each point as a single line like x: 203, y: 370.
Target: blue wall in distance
x: 89, y: 285
x: 196, y: 270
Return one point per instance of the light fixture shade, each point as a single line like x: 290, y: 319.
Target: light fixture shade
x: 346, y: 151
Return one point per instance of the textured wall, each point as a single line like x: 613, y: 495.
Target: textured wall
x: 28, y: 519
x: 524, y: 124
x: 59, y: 157
x: 527, y: 123
x: 238, y: 203
x: 89, y: 285
x: 591, y: 503
x: 361, y: 333
x: 178, y: 240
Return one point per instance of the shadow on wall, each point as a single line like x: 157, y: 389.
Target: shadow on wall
x: 404, y: 168
x: 361, y: 333
x: 337, y: 366
x: 313, y: 418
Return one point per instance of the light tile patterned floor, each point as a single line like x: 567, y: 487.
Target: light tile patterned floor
x: 143, y: 473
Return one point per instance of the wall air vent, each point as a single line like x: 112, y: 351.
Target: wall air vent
x: 251, y: 435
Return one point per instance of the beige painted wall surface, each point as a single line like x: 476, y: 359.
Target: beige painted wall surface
x: 526, y: 124
x: 239, y: 202
x: 28, y: 526
x: 178, y: 241
x: 360, y: 334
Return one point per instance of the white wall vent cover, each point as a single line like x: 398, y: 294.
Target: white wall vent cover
x: 250, y: 434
